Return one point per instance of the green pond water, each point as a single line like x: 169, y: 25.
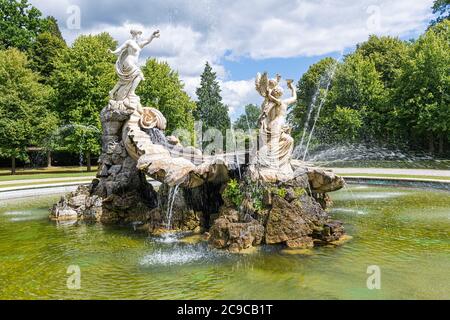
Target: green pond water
x: 403, y: 231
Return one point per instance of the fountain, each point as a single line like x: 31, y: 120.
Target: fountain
x: 267, y: 199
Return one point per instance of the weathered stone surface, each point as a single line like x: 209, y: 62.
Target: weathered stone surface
x: 77, y: 205
x: 245, y: 235
x: 311, y: 211
x: 323, y: 181
x: 288, y: 215
x: 300, y: 243
x: 323, y: 199
x: 120, y: 193
x: 285, y: 223
x: 331, y: 231
x: 230, y: 232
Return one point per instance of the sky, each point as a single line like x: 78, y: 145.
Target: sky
x: 242, y: 37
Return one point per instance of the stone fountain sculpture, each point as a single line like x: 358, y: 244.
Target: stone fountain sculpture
x: 269, y: 199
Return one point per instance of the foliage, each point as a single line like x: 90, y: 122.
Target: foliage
x: 281, y: 192
x: 45, y: 52
x: 387, y: 55
x: 346, y: 124
x: 298, y: 192
x: 82, y: 80
x: 256, y: 194
x: 248, y: 120
x: 50, y: 25
x: 24, y: 116
x: 233, y: 193
x: 422, y: 90
x: 387, y: 91
x: 441, y: 9
x: 210, y: 108
x: 357, y: 86
x: 307, y: 87
x: 162, y: 89
x: 20, y: 24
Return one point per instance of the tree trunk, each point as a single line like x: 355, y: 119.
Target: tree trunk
x: 441, y: 144
x: 88, y: 161
x: 430, y: 143
x: 13, y: 165
x: 49, y: 159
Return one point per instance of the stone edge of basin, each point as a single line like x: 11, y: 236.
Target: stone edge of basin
x: 407, y: 182
x: 350, y: 179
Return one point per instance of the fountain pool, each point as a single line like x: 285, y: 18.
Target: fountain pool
x: 403, y: 231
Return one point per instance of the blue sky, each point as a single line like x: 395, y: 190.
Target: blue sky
x: 240, y: 38
x: 290, y: 68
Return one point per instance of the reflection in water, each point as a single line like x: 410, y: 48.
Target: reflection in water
x: 403, y: 231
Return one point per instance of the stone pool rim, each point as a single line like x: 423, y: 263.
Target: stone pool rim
x: 49, y: 189
x: 401, y: 182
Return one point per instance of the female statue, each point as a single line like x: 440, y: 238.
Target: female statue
x: 127, y: 68
x: 276, y: 143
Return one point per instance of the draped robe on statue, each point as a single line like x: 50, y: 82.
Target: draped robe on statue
x: 129, y: 75
x: 276, y: 145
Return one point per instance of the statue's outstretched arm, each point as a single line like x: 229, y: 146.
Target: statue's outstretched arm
x: 120, y: 48
x: 149, y: 40
x: 293, y: 99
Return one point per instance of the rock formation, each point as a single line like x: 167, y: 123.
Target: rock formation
x: 269, y: 199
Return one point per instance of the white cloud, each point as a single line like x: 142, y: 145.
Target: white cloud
x: 237, y: 94
x: 193, y: 32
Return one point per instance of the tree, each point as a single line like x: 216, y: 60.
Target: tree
x: 25, y: 119
x: 387, y: 54
x: 47, y: 48
x: 346, y: 124
x: 163, y: 90
x: 210, y: 109
x: 308, y: 87
x: 20, y: 23
x: 441, y: 9
x: 45, y: 52
x: 248, y: 120
x: 82, y: 79
x: 50, y: 25
x: 422, y: 92
x: 357, y: 86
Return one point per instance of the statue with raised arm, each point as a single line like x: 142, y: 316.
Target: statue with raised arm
x: 128, y: 70
x: 275, y: 141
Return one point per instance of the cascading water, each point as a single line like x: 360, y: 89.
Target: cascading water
x: 322, y: 102
x: 321, y: 93
x: 170, y: 201
x: 373, y: 155
x: 235, y: 151
x: 311, y: 107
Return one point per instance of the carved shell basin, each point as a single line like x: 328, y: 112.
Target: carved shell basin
x: 152, y: 118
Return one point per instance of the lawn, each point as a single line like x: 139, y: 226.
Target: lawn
x: 54, y: 172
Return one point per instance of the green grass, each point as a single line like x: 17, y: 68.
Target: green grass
x: 46, y: 176
x: 406, y: 176
x: 21, y: 171
x: 22, y: 184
